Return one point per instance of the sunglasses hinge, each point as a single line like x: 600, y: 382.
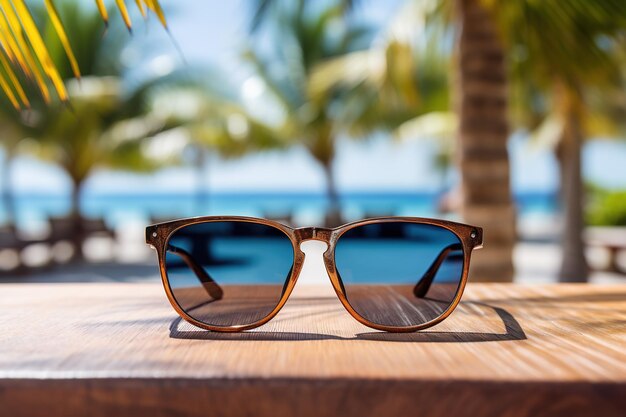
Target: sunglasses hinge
x: 151, y: 235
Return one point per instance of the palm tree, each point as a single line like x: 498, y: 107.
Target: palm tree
x: 569, y: 46
x: 209, y: 114
x: 385, y: 90
x: 92, y: 135
x: 571, y: 52
x: 92, y: 132
x: 315, y: 116
x: 105, y: 127
x: 481, y: 104
x: 563, y: 46
x: 24, y: 52
x: 8, y: 135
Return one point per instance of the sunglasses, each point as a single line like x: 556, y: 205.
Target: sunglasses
x: 397, y: 274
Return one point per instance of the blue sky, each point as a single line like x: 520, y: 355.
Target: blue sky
x: 211, y: 32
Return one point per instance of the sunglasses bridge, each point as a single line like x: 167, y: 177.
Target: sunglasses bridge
x: 313, y: 233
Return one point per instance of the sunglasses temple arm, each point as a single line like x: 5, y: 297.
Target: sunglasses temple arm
x: 209, y: 284
x: 423, y: 285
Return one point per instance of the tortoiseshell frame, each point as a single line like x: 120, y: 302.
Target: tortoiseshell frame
x: 157, y: 236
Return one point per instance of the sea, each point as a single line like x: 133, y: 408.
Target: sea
x: 33, y: 210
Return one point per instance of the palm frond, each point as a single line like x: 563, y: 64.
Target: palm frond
x: 566, y: 40
x: 573, y: 46
x: 389, y: 66
x: 282, y: 91
x: 23, y: 50
x: 264, y: 8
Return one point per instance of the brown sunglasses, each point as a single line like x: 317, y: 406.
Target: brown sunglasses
x: 397, y: 274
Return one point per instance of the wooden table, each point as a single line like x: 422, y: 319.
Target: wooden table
x: 120, y: 350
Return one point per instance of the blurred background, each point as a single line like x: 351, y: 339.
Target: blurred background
x: 507, y: 115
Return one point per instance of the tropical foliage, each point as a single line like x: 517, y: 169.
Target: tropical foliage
x: 555, y: 68
x: 315, y: 113
x: 557, y: 63
x: 23, y: 49
x: 564, y: 56
x: 104, y: 126
x: 605, y: 207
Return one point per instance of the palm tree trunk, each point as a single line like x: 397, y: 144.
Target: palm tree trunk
x: 202, y: 178
x: 333, y: 215
x: 8, y: 200
x: 574, y: 266
x: 481, y: 104
x: 78, y: 236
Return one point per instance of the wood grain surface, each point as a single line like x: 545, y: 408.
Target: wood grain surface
x: 120, y: 350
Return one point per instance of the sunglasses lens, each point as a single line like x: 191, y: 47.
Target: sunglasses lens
x: 400, y: 274
x: 228, y: 273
